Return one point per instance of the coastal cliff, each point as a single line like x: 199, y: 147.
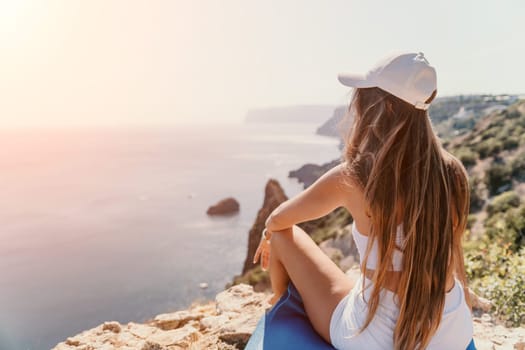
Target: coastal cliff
x: 273, y: 196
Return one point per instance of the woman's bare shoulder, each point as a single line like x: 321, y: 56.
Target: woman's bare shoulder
x: 355, y: 198
x: 346, y: 181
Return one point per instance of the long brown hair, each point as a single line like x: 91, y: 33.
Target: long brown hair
x: 393, y: 153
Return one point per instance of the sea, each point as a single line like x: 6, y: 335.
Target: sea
x: 110, y: 224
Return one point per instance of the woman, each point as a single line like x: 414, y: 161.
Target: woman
x: 409, y: 199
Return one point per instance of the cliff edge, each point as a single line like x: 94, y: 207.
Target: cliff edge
x: 227, y: 323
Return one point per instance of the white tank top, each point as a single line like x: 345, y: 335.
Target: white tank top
x: 361, y: 241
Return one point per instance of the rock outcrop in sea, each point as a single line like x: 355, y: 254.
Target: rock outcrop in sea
x: 308, y: 173
x: 224, y: 207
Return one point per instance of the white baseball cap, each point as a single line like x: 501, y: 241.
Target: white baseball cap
x: 406, y: 75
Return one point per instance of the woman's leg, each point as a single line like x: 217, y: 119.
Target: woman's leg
x: 320, y: 282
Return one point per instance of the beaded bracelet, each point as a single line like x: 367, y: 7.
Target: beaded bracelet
x: 264, y: 236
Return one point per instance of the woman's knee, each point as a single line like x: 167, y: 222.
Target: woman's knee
x: 280, y: 237
x: 283, y: 239
x: 288, y: 233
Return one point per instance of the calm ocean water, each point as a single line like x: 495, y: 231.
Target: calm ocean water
x: 108, y: 224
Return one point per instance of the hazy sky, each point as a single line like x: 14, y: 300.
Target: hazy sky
x: 69, y: 62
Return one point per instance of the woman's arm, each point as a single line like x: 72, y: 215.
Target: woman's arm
x: 327, y: 193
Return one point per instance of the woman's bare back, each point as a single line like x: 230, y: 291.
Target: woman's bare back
x: 357, y: 207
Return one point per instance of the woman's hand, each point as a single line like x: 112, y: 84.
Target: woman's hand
x: 263, y: 251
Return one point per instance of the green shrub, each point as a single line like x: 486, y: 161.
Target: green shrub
x: 489, y: 147
x: 518, y: 167
x: 321, y: 231
x: 471, y: 220
x: 503, y: 202
x: 507, y: 228
x: 466, y: 156
x: 499, y: 275
x: 515, y: 224
x: 498, y: 178
x: 476, y: 199
x: 253, y: 277
x: 513, y: 113
x: 511, y: 142
x: 490, y: 133
x: 517, y: 131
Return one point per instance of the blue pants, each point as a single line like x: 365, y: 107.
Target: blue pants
x: 288, y: 327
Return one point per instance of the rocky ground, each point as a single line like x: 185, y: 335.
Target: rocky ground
x: 227, y: 323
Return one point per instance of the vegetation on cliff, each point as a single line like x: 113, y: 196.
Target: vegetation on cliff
x: 494, y: 154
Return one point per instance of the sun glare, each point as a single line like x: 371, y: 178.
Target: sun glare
x: 10, y: 11
x: 19, y: 20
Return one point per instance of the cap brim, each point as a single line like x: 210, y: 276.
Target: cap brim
x: 354, y: 80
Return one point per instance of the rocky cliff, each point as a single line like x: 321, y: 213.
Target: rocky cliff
x: 320, y: 229
x: 227, y: 323
x: 273, y: 196
x: 331, y: 126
